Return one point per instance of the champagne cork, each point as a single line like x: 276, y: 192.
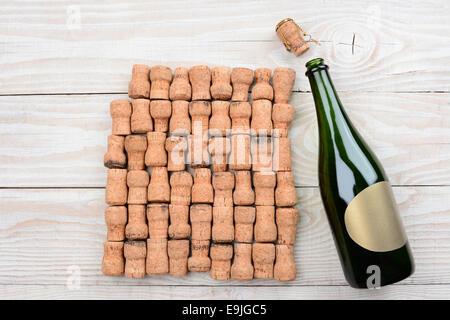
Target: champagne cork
x: 287, y: 220
x: 264, y: 183
x: 181, y: 184
x: 115, y: 157
x: 141, y: 122
x: 136, y: 147
x: 156, y: 155
x: 139, y: 86
x: 221, y: 255
x: 283, y: 82
x: 159, y: 188
x: 202, y: 190
x: 285, y: 193
x: 220, y: 121
x: 282, y: 154
x: 243, y: 194
x: 223, y: 183
x: 221, y: 88
x: 135, y: 253
x: 158, y: 220
x: 223, y: 228
x: 176, y: 147
x: 242, y: 268
x: 116, y: 192
x: 198, y: 155
x: 200, y: 77
x: 263, y: 255
x: 262, y: 88
x: 199, y: 260
x: 261, y: 149
x: 240, y: 113
x: 200, y: 112
x: 113, y: 263
x: 291, y: 36
x: 219, y: 148
x: 261, y: 124
x: 180, y: 123
x: 244, y: 217
x: 157, y: 257
x: 240, y: 157
x: 282, y: 116
x: 116, y: 219
x: 179, y: 222
x: 180, y: 89
x: 137, y: 182
x: 178, y: 257
x: 241, y: 78
x: 285, y: 268
x: 161, y: 77
x: 201, y: 217
x: 137, y: 228
x: 161, y: 110
x: 265, y: 228
x: 120, y: 111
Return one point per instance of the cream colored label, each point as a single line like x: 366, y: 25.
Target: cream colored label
x: 372, y: 219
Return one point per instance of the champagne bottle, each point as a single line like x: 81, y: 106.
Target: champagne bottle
x: 357, y: 196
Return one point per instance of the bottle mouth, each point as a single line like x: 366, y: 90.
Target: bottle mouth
x: 314, y: 65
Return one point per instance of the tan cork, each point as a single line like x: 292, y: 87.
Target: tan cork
x: 291, y: 36
x: 179, y: 222
x: 160, y: 111
x: 265, y: 228
x: 199, y: 260
x: 243, y: 194
x: 178, y: 257
x: 135, y: 253
x: 282, y: 116
x: 159, y: 188
x: 136, y: 146
x: 202, y: 190
x: 241, y: 78
x: 200, y: 78
x: 283, y: 82
x: 240, y: 157
x: 181, y: 184
x: 221, y: 88
x: 116, y: 192
x: 223, y: 183
x: 156, y: 155
x: 115, y: 157
x: 157, y: 257
x: 198, y: 155
x: 285, y: 193
x: 261, y: 124
x: 116, y: 219
x: 244, y: 217
x: 261, y: 150
x: 285, y: 268
x: 113, y: 263
x: 137, y: 228
x: 158, y: 220
x: 139, y: 86
x: 287, y: 220
x: 176, y: 147
x: 200, y: 112
x: 220, y: 121
x: 221, y: 255
x: 219, y: 148
x: 180, y: 89
x: 242, y: 268
x: 240, y: 113
x: 137, y: 181
x: 282, y: 154
x: 264, y: 183
x: 141, y: 121
x: 262, y: 88
x: 222, y: 228
x: 263, y: 256
x: 180, y: 123
x: 120, y: 111
x: 161, y: 77
x: 201, y: 217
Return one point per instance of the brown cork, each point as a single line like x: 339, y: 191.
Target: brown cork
x: 261, y: 124
x: 135, y: 253
x: 287, y: 220
x: 156, y: 155
x: 176, y: 147
x: 201, y: 217
x: 157, y: 257
x: 223, y: 183
x: 141, y: 121
x: 115, y: 157
x: 137, y: 182
x: 199, y: 260
x: 116, y: 219
x: 137, y: 228
x: 282, y: 116
x: 181, y: 184
x: 116, y: 192
x: 240, y: 113
x: 158, y: 220
x: 291, y: 36
x: 285, y: 193
x: 180, y: 123
x: 285, y: 268
x: 263, y: 255
x: 243, y: 194
x: 240, y: 157
x: 113, y: 263
x: 265, y: 228
x: 180, y: 89
x: 264, y: 183
x: 261, y: 149
x: 283, y: 82
x: 179, y: 222
x: 139, y: 86
x: 221, y: 88
x: 200, y: 78
x: 262, y: 88
x: 198, y: 155
x: 242, y: 268
x: 219, y: 148
x: 221, y: 255
x: 160, y: 77
x: 178, y: 257
x: 244, y: 217
x: 202, y: 190
x: 160, y: 111
x: 241, y: 79
x: 200, y: 112
x: 220, y: 121
x: 136, y: 146
x: 159, y: 188
x: 120, y: 111
x: 223, y: 228
x: 282, y: 154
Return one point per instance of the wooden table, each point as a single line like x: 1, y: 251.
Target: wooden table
x: 61, y: 65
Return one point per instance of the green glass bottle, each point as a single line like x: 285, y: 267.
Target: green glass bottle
x: 356, y: 194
